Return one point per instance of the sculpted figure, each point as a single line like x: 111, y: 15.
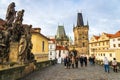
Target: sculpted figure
x: 22, y: 48
x: 11, y: 13
x: 19, y: 17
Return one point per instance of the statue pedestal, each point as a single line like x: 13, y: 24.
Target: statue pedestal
x: 13, y: 55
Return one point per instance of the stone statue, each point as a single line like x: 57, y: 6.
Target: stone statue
x: 22, y: 48
x: 4, y: 46
x: 18, y: 27
x: 25, y: 45
x: 19, y: 17
x: 10, y: 15
x: 13, y: 32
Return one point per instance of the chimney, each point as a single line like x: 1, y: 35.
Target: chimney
x: 37, y: 30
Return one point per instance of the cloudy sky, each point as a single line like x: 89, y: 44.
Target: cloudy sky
x: 102, y: 15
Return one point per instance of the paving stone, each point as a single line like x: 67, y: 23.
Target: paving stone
x: 58, y: 72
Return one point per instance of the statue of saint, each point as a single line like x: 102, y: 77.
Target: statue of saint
x: 11, y: 13
x: 22, y: 48
x: 19, y: 17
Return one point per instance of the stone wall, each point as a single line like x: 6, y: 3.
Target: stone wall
x: 19, y: 72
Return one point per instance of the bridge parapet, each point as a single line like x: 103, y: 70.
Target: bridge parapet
x: 15, y: 73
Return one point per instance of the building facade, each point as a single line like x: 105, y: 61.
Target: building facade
x: 40, y: 45
x: 52, y: 49
x: 61, y: 53
x: 81, y: 42
x: 61, y: 38
x: 105, y: 45
x: 115, y: 45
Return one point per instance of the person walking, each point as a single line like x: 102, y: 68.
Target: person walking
x: 68, y: 62
x: 114, y: 64
x: 76, y: 62
x: 81, y: 60
x: 85, y: 60
x: 106, y: 64
x: 72, y: 61
x: 65, y: 62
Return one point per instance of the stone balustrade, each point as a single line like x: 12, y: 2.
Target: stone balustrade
x: 17, y: 72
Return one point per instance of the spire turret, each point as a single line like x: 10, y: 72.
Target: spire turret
x: 80, y: 20
x: 87, y: 23
x: 60, y: 32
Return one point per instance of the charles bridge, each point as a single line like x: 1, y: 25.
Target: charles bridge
x: 58, y: 72
x: 17, y: 62
x: 49, y: 70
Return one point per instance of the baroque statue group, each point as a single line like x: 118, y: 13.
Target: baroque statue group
x: 13, y: 31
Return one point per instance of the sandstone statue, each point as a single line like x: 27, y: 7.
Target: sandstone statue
x: 11, y: 14
x: 15, y: 32
x: 19, y: 17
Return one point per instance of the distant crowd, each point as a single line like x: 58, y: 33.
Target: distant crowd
x: 72, y: 60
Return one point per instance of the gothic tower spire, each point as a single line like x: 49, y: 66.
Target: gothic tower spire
x: 60, y: 32
x: 81, y: 35
x: 80, y: 20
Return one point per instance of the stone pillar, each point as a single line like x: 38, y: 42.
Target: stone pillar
x: 13, y: 55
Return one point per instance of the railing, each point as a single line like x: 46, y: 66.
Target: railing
x: 18, y: 72
x: 41, y: 57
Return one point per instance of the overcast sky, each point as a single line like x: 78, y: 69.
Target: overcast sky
x: 102, y: 15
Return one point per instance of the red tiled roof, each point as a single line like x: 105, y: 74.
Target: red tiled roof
x: 61, y: 48
x: 109, y: 35
x: 96, y: 37
x: 117, y: 34
x: 53, y: 40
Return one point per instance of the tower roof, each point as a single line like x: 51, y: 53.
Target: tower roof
x: 80, y: 20
x: 60, y: 32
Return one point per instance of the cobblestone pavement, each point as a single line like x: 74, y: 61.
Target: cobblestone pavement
x: 58, y: 72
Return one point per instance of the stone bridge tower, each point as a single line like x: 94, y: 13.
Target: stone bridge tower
x: 61, y: 38
x: 81, y: 39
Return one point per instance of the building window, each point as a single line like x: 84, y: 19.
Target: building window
x: 95, y: 44
x: 50, y: 46
x: 103, y: 43
x: 61, y: 43
x: 107, y: 43
x: 104, y: 54
x: 99, y: 54
x: 113, y: 39
x: 114, y: 45
x: 118, y: 39
x: 43, y: 46
x: 59, y: 53
x: 63, y: 51
x: 50, y: 53
x: 110, y: 55
x: 91, y: 44
x: 83, y: 44
x: 99, y: 43
x: 118, y: 45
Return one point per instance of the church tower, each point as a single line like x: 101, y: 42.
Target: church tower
x: 61, y: 38
x: 81, y: 35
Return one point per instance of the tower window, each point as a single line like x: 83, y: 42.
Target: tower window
x: 83, y: 44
